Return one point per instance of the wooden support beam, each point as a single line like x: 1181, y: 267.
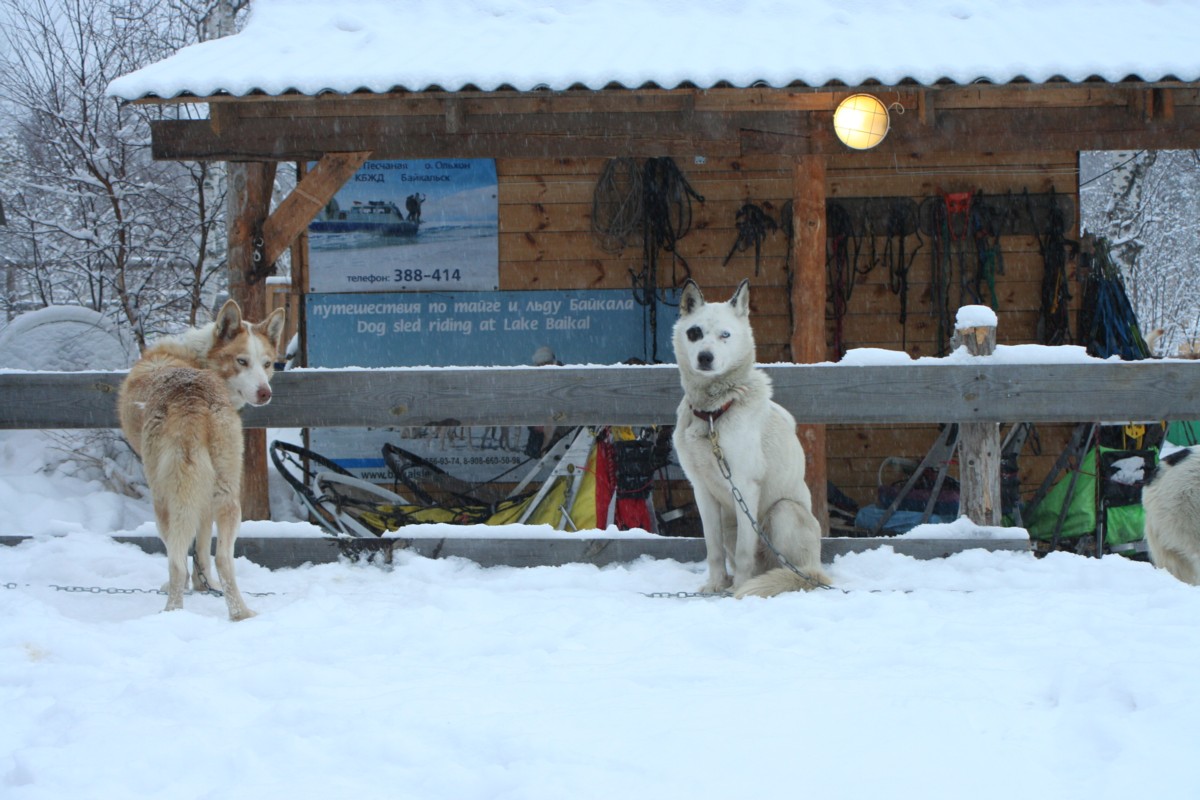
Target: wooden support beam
x: 305, y: 201
x: 808, y: 308
x: 249, y: 199
x: 1164, y: 104
x: 299, y: 285
x: 678, y: 131
x: 926, y: 112
x: 979, y: 446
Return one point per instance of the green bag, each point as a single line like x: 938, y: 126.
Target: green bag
x: 1125, y: 523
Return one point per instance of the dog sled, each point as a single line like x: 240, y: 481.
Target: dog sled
x: 1091, y: 501
x: 575, y: 485
x: 1095, y: 507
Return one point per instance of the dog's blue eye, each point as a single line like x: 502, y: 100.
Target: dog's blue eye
x: 694, y: 333
x: 725, y: 334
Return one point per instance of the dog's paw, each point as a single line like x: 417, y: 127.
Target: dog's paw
x: 716, y: 586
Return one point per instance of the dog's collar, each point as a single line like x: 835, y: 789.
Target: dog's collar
x: 712, y: 416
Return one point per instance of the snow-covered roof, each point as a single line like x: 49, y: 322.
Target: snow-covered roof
x: 343, y: 46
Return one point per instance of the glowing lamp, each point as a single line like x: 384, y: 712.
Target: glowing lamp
x: 861, y: 121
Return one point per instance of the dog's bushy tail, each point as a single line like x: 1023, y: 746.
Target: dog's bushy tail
x: 780, y: 580
x: 182, y: 478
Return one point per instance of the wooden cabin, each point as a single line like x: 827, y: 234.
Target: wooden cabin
x: 871, y: 248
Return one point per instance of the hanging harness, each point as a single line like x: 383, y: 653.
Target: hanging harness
x: 753, y: 224
x: 844, y: 245
x: 1054, y: 321
x: 989, y: 258
x: 901, y: 219
x: 655, y: 199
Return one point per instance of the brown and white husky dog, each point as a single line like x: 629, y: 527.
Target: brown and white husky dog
x: 179, y: 410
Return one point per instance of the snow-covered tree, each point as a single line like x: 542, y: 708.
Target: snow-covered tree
x: 93, y: 219
x: 1145, y: 203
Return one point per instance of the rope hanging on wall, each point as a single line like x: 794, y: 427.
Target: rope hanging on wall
x: 753, y: 224
x: 936, y: 220
x: 654, y: 199
x: 1054, y: 320
x: 949, y: 225
x: 617, y: 204
x: 788, y: 228
x: 843, y: 246
x: 902, y: 219
x: 986, y: 227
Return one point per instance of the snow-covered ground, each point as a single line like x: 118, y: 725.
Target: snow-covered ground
x: 984, y: 675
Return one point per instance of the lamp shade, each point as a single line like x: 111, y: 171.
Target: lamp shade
x: 861, y: 121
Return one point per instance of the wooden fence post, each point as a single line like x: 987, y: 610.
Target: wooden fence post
x: 979, y: 442
x: 808, y: 310
x: 249, y: 201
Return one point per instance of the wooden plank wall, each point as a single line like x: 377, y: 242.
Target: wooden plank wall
x: 872, y: 319
x: 546, y: 243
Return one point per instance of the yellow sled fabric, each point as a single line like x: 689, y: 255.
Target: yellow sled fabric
x: 369, y: 510
x: 344, y: 505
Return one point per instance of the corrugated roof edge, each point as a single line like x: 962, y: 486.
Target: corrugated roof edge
x: 910, y: 83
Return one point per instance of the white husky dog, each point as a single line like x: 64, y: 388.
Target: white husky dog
x: 724, y: 393
x: 1172, y: 503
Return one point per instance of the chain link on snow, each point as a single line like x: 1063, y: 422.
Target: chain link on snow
x: 119, y: 590
x: 215, y: 593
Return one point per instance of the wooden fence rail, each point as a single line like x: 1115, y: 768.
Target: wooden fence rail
x: 645, y: 395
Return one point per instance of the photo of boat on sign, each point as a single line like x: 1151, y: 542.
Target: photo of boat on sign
x: 409, y: 226
x: 380, y: 217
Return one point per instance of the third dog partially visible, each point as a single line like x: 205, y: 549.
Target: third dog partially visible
x: 725, y: 393
x: 1172, y: 503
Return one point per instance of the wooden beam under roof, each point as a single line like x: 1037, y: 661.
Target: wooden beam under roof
x: 670, y: 128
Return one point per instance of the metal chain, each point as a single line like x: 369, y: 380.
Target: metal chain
x: 812, y: 582
x: 215, y: 593
x: 118, y: 590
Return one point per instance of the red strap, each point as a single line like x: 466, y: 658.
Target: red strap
x: 712, y: 416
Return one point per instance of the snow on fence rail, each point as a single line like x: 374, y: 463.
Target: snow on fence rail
x: 980, y: 391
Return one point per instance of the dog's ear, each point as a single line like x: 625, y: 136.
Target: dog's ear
x: 691, y: 299
x: 272, y: 326
x: 229, y: 321
x: 740, y: 302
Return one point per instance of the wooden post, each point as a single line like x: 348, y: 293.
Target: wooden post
x: 979, y: 442
x: 300, y: 282
x: 808, y: 309
x: 249, y: 201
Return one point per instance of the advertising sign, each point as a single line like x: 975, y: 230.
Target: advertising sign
x: 416, y: 225
x: 599, y: 326
x: 470, y: 329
